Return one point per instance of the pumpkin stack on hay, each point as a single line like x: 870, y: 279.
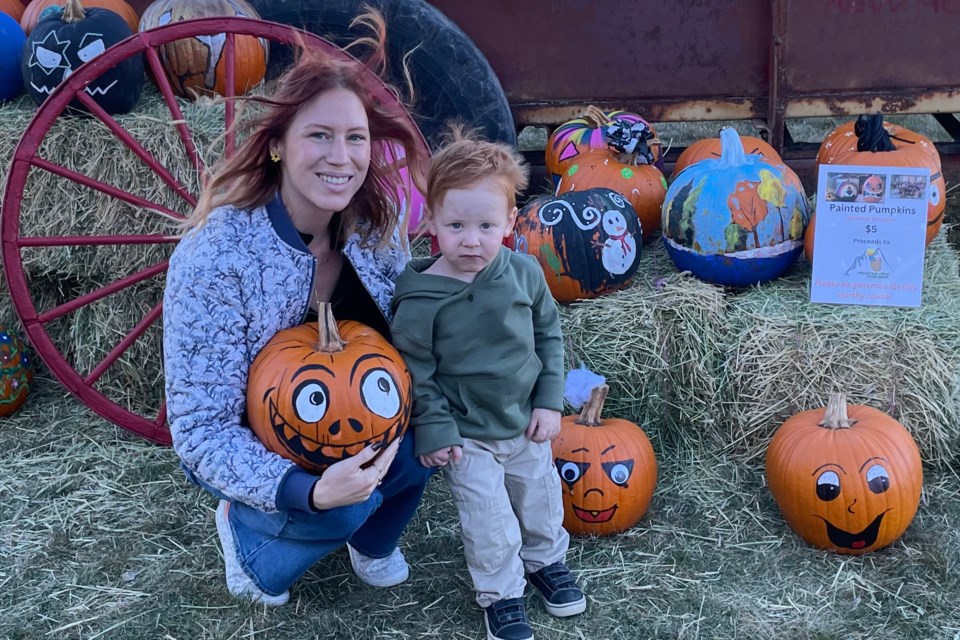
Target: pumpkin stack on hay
x: 56, y: 206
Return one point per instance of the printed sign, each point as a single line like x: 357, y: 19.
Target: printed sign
x: 870, y: 235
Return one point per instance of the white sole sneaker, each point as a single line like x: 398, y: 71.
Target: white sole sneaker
x: 380, y: 572
x: 238, y: 582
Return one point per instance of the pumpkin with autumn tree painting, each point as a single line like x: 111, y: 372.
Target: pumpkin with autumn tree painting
x: 587, y: 242
x: 66, y: 38
x: 197, y: 66
x: 736, y: 220
x: 32, y: 14
x: 607, y: 468
x: 846, y: 477
x: 599, y: 130
x: 321, y: 392
x: 711, y: 147
x: 869, y: 141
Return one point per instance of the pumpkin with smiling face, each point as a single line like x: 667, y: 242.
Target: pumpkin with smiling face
x: 847, y: 477
x: 320, y: 393
x: 607, y: 468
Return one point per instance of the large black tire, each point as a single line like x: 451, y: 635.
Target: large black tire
x: 451, y: 77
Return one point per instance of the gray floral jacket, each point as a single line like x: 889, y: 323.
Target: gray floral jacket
x: 231, y: 286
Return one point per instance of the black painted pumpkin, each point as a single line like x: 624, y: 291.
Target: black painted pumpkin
x: 65, y: 38
x: 588, y: 242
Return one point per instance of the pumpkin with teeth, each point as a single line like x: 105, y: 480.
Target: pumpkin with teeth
x: 319, y: 393
x: 847, y: 477
x: 607, y: 470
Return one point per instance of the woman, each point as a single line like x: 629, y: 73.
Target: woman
x: 299, y: 215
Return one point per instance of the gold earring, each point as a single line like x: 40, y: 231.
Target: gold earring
x: 275, y: 155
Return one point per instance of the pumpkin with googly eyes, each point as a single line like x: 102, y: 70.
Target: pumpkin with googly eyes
x: 319, y: 393
x: 846, y: 477
x: 607, y: 469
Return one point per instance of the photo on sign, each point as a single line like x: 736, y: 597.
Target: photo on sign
x: 907, y: 187
x: 855, y: 187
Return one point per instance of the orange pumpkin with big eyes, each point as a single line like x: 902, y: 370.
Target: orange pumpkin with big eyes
x: 846, y: 478
x: 607, y: 468
x: 319, y: 393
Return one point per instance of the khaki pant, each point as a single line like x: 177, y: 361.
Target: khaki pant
x: 511, y: 513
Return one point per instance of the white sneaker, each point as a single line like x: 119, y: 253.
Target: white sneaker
x: 380, y: 572
x: 238, y: 582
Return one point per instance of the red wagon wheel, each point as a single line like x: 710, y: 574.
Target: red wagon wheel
x: 41, y: 318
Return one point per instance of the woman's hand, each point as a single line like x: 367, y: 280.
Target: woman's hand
x: 347, y: 482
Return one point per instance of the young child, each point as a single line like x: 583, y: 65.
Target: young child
x: 480, y: 333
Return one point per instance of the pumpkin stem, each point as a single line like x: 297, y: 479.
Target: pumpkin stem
x: 329, y: 336
x: 731, y: 148
x: 590, y: 415
x: 871, y: 134
x: 595, y: 116
x: 835, y: 417
x: 73, y: 12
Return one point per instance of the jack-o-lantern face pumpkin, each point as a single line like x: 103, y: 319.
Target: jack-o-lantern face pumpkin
x: 316, y: 404
x: 872, y: 189
x: 607, y: 469
x: 847, y: 478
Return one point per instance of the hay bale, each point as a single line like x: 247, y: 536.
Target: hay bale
x: 785, y: 355
x: 53, y: 205
x: 659, y: 344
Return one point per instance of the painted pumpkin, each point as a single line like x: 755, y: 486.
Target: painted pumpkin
x: 196, y: 66
x: 598, y: 130
x: 587, y: 242
x: 869, y: 141
x: 16, y: 372
x: 642, y: 185
x: 65, y: 39
x: 320, y: 392
x: 607, y: 468
x: 808, y: 236
x: 737, y: 220
x: 847, y: 477
x: 33, y: 12
x: 13, y: 8
x: 710, y: 148
x: 11, y: 50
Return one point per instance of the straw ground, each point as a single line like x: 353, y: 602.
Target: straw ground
x: 101, y: 536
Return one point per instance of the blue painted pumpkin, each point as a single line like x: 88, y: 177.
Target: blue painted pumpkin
x: 11, y: 48
x: 737, y: 220
x: 16, y: 372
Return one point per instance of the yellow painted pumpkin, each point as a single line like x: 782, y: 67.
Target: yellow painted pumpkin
x: 607, y: 468
x: 320, y: 393
x: 846, y: 477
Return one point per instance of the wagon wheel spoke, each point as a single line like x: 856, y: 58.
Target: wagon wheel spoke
x: 96, y: 241
x: 161, y: 418
x: 230, y: 57
x: 166, y: 89
x: 103, y: 187
x: 125, y: 344
x: 98, y: 294
x: 137, y: 148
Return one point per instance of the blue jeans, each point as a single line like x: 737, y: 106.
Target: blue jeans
x: 275, y: 549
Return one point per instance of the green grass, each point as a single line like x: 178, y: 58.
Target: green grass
x: 101, y: 537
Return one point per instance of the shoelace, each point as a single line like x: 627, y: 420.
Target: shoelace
x: 509, y: 612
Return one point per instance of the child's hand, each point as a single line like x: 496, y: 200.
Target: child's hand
x: 544, y: 425
x: 441, y: 457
